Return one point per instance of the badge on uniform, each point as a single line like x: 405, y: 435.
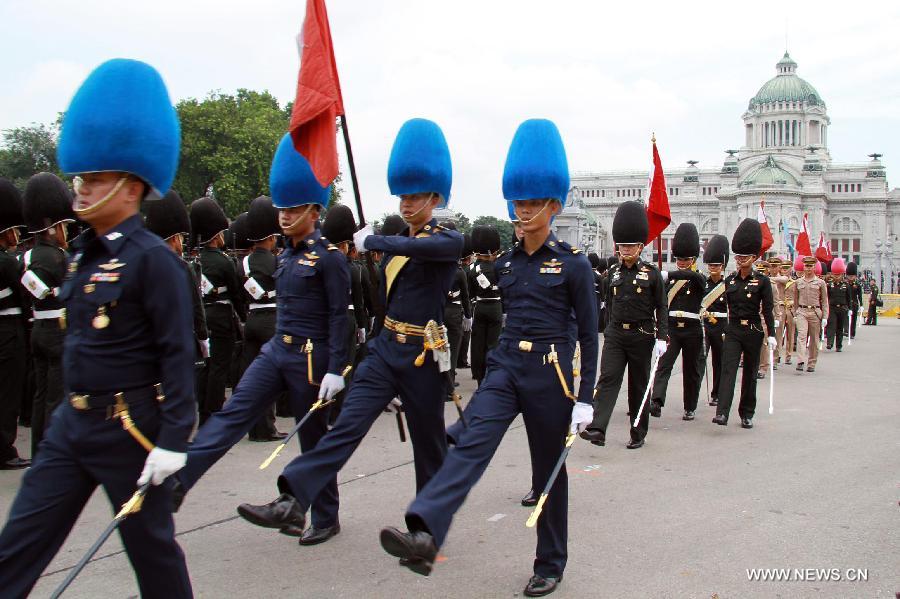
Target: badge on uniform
x: 642, y: 276
x: 101, y: 320
x: 105, y: 277
x: 114, y: 235
x: 112, y: 264
x: 311, y: 256
x: 550, y: 271
x: 303, y: 262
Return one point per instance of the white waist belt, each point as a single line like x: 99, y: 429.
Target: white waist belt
x: 261, y: 306
x: 10, y: 311
x: 350, y: 307
x: 48, y: 314
x: 718, y: 314
x: 680, y: 314
x: 457, y: 302
x: 5, y: 292
x: 488, y: 299
x: 223, y: 302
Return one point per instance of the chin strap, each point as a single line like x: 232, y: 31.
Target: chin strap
x: 525, y: 221
x: 416, y: 213
x: 287, y: 230
x: 95, y: 207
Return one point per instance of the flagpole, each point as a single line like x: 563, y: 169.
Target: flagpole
x: 374, y: 294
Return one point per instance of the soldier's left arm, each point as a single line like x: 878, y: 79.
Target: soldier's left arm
x: 336, y: 277
x: 823, y: 299
x: 169, y: 309
x: 236, y: 290
x: 584, y: 301
x: 442, y: 246
x: 768, y: 304
x: 464, y: 292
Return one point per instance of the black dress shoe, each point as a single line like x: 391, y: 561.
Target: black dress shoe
x: 714, y: 401
x: 178, y: 493
x: 530, y: 500
x: 760, y: 375
x: 15, y: 463
x: 595, y: 436
x: 788, y: 361
x: 746, y: 423
x: 314, y: 536
x: 655, y: 408
x: 538, y: 586
x: 839, y: 349
x: 810, y: 369
x: 800, y: 366
x: 720, y: 420
x: 635, y: 444
x: 688, y: 415
x: 416, y: 550
x: 283, y: 513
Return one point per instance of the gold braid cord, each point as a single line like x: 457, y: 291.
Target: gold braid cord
x: 434, y: 339
x: 121, y: 412
x: 553, y: 358
x: 308, y: 350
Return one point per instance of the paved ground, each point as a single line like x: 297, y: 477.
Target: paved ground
x: 813, y: 486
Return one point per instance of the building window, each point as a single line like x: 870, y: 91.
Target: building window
x: 602, y: 193
x: 665, y: 250
x: 832, y: 189
x: 617, y: 193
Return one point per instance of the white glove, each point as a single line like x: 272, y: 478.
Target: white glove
x: 660, y: 347
x: 772, y: 343
x: 204, y: 348
x: 395, y: 405
x: 331, y: 385
x: 360, y: 335
x: 776, y: 323
x: 665, y: 275
x: 824, y: 322
x: 582, y: 416
x: 503, y: 321
x: 161, y: 463
x: 359, y: 238
x: 467, y: 324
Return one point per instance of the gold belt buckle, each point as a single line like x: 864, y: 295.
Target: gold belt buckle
x: 400, y: 337
x: 679, y: 314
x: 525, y: 346
x: 679, y: 325
x: 745, y: 322
x: 79, y: 402
x: 287, y: 339
x: 626, y: 326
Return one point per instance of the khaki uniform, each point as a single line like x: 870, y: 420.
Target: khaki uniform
x: 784, y: 314
x: 811, y: 308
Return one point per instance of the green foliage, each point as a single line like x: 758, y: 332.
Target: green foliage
x: 505, y: 227
x: 227, y: 145
x: 29, y: 150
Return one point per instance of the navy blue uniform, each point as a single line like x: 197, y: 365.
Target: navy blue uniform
x: 540, y: 292
x: 129, y: 327
x: 312, y: 284
x: 418, y: 273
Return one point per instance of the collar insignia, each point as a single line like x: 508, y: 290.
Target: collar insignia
x: 112, y: 264
x: 114, y: 235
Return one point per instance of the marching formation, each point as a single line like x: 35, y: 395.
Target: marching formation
x: 136, y: 328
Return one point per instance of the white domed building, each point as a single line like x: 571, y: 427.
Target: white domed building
x: 784, y: 161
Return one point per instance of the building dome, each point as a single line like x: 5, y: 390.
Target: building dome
x: 786, y: 86
x: 769, y: 173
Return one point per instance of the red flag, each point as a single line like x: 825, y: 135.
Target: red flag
x: 802, y: 245
x: 658, y: 214
x: 767, y: 239
x: 318, y: 101
x: 823, y: 252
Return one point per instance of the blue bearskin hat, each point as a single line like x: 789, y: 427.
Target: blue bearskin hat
x: 291, y: 180
x: 511, y: 209
x: 536, y: 165
x: 121, y: 119
x: 420, y: 161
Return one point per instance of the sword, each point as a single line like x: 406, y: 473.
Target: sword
x: 647, y: 390
x: 705, y: 355
x: 771, y: 381
x: 132, y: 506
x: 318, y: 405
x: 533, y: 518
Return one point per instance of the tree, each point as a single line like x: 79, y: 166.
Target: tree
x: 505, y: 228
x: 29, y: 150
x: 227, y: 145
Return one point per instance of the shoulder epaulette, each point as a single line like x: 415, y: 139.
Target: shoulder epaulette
x: 331, y: 247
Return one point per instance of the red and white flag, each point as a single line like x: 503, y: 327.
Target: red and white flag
x: 767, y: 239
x: 823, y: 251
x: 658, y: 214
x: 317, y: 102
x: 802, y: 245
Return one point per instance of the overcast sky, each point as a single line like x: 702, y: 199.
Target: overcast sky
x: 608, y: 74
